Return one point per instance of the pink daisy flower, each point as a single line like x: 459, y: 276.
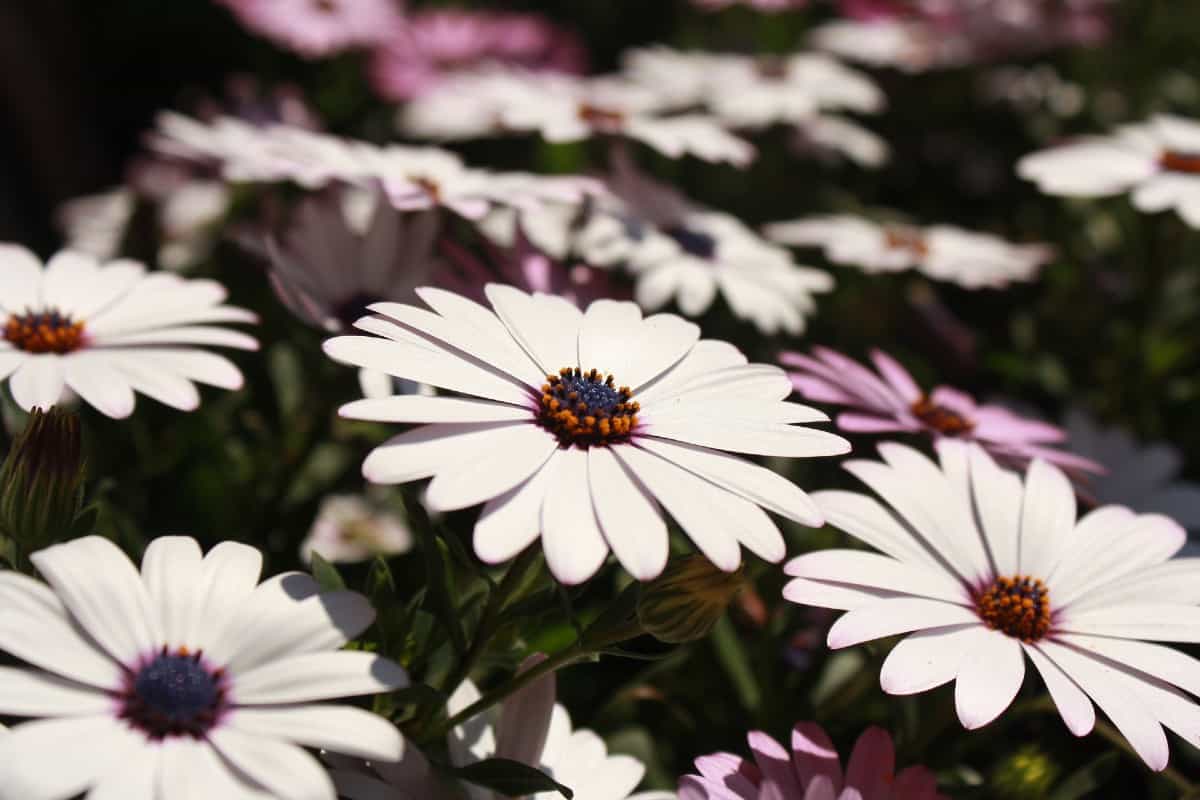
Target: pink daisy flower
x: 890, y: 401
x: 811, y: 771
x: 435, y: 43
x: 319, y: 28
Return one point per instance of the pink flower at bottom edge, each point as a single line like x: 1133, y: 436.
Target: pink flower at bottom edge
x: 810, y: 771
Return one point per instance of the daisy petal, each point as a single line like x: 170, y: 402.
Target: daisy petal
x: 422, y: 452
x: 872, y: 765
x: 20, y: 279
x: 925, y: 659
x: 877, y: 571
x: 1047, y: 517
x: 134, y: 778
x: 1073, y: 705
x: 751, y: 436
x: 889, y: 617
x: 171, y: 568
x: 814, y: 756
x: 51, y: 759
x: 102, y: 386
x: 512, y: 521
x: 1164, y: 663
x: 193, y: 770
x: 418, y: 408
x: 29, y: 693
x: 989, y: 677
x: 547, y: 327
x: 502, y: 461
x: 284, y: 770
x: 839, y: 596
x: 318, y: 676
x: 571, y: 536
x: 997, y: 494
x: 340, y: 729
x: 628, y: 516
x: 38, y: 382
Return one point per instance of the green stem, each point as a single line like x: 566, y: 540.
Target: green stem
x: 1185, y: 787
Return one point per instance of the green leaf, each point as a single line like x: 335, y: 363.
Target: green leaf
x: 510, y: 778
x: 441, y: 590
x: 326, y: 574
x: 732, y: 655
x: 1088, y: 778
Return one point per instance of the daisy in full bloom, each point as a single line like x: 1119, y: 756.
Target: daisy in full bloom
x: 810, y: 770
x: 983, y: 569
x: 107, y: 331
x: 942, y: 252
x: 573, y: 426
x: 189, y: 679
x: 350, y: 528
x: 1157, y: 161
x: 319, y: 28
x: 433, y: 44
x: 890, y: 401
x: 528, y: 727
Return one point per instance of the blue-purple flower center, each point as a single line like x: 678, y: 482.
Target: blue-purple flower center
x: 586, y: 408
x: 693, y: 242
x: 174, y: 694
x: 48, y: 331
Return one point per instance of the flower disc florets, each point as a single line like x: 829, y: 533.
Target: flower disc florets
x: 174, y: 694
x: 586, y: 408
x: 1018, y: 606
x: 44, y: 332
x: 944, y: 420
x: 1175, y: 161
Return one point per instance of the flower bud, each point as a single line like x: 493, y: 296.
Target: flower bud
x: 41, y: 481
x: 1028, y: 772
x: 686, y: 600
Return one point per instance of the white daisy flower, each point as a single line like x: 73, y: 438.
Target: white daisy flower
x: 1157, y: 161
x: 107, y: 331
x: 942, y: 252
x: 188, y: 680
x: 349, y: 528
x: 467, y: 105
x: 528, y: 727
x: 96, y: 223
x: 983, y: 570
x: 574, y: 426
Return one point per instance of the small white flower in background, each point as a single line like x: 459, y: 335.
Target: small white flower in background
x: 832, y: 136
x: 350, y: 528
x: 983, y: 569
x: 320, y: 28
x: 1141, y: 475
x: 108, y: 331
x: 890, y: 43
x: 942, y: 252
x: 528, y: 727
x: 188, y: 680
x: 1158, y: 162
x: 467, y: 105
x: 574, y: 426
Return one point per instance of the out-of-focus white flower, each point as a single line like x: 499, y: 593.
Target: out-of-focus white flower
x: 908, y: 46
x: 95, y: 224
x: 831, y: 135
x: 319, y: 28
x: 350, y: 528
x: 108, y: 331
x: 1157, y: 161
x: 942, y: 252
x: 190, y: 674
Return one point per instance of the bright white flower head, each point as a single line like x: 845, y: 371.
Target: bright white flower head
x: 350, y: 528
x: 982, y: 570
x: 574, y: 426
x: 108, y: 331
x: 528, y: 727
x: 1157, y: 161
x: 942, y: 252
x: 190, y: 677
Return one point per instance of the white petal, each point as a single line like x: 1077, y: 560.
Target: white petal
x: 525, y: 716
x: 512, y: 521
x: 502, y: 461
x: 210, y: 369
x: 285, y: 770
x: 36, y: 628
x: 193, y: 770
x: 867, y: 520
x: 38, y: 382
x: 690, y: 500
x: 998, y: 494
x: 571, y: 537
x: 759, y: 485
x: 105, y: 595
x: 707, y: 356
x: 184, y: 334
x: 318, y: 676
x: 485, y: 323
x: 890, y: 617
x: 615, y: 339
x: 752, y: 437
x: 171, y: 568
x: 338, y: 728
x: 102, y: 386
x: 70, y: 278
x: 1117, y: 696
x: 427, y: 363
x: 1143, y: 541
x: 20, y: 279
x: 1164, y: 663
x: 547, y: 327
x: 134, y: 778
x: 628, y: 516
x: 286, y: 616
x: 165, y: 386
x: 1047, y: 517
x: 113, y: 280
x: 423, y: 451
x: 843, y: 597
x: 877, y: 571
x: 989, y: 677
x: 52, y: 759
x: 1161, y: 622
x: 228, y: 577
x: 417, y: 408
x: 1073, y: 705
x: 925, y: 660
x: 31, y: 693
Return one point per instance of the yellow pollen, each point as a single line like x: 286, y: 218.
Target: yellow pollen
x: 941, y: 419
x: 44, y: 332
x: 1018, y: 606
x: 586, y: 408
